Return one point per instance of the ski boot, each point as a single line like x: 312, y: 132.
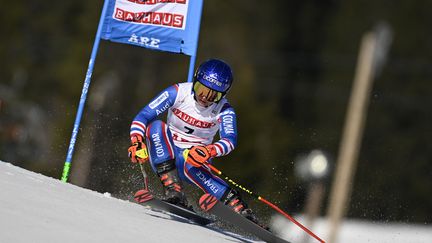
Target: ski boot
x: 171, y: 184
x: 233, y: 200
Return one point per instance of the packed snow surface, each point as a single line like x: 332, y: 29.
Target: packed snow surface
x: 36, y: 208
x: 39, y: 209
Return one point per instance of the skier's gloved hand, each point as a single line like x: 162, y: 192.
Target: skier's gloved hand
x: 137, y: 152
x: 198, y: 155
x: 212, y: 150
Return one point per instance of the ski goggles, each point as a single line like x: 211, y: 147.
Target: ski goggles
x: 210, y: 94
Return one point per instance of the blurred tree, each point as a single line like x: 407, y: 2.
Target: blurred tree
x: 390, y: 161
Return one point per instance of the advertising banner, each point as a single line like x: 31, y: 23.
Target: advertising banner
x: 165, y: 25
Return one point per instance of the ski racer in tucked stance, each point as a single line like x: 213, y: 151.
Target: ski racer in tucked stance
x: 196, y: 112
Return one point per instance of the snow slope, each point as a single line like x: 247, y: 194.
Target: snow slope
x: 36, y: 208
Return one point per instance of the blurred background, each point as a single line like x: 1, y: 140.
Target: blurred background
x: 294, y: 64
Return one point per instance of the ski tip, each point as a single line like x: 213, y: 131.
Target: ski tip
x: 207, y: 201
x: 142, y: 196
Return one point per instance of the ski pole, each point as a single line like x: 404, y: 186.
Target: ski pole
x: 214, y: 169
x: 144, y: 194
x: 144, y: 173
x: 143, y: 154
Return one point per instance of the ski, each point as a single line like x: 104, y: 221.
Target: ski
x: 212, y: 205
x: 145, y: 198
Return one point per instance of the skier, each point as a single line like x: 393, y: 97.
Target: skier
x: 196, y: 112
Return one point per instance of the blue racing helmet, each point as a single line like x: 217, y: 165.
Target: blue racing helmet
x: 214, y: 74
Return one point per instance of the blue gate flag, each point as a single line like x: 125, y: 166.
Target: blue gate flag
x: 165, y: 25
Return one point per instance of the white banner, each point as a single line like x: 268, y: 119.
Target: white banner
x: 166, y: 13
